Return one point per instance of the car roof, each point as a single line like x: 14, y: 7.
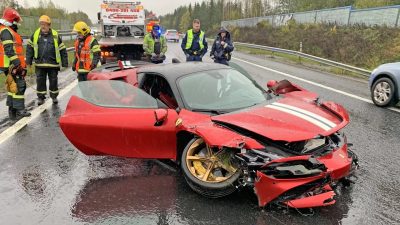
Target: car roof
x: 174, y: 71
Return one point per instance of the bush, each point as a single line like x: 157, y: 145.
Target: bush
x: 357, y: 45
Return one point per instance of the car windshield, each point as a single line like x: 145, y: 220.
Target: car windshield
x: 114, y: 94
x: 220, y: 90
x: 171, y: 32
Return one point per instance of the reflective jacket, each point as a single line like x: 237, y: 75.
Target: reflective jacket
x: 149, y: 44
x: 194, y: 43
x: 87, y: 54
x: 47, y: 50
x: 11, y: 49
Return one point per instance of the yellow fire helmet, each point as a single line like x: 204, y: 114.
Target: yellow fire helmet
x: 45, y: 18
x: 81, y: 28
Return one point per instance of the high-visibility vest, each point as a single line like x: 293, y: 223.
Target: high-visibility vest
x: 149, y: 44
x: 56, y: 44
x: 85, y: 57
x: 18, y: 49
x: 190, y: 37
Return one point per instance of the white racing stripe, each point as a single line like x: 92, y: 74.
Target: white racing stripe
x: 5, y: 135
x: 314, y: 83
x: 308, y: 113
x: 300, y: 115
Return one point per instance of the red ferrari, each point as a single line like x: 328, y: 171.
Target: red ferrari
x: 222, y: 128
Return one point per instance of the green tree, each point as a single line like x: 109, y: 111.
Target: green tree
x: 185, y: 21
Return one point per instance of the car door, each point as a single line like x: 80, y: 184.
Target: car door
x: 108, y: 117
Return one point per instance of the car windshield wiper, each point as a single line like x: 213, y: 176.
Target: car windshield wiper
x: 213, y: 111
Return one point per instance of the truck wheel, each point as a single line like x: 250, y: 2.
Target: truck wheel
x: 207, y: 171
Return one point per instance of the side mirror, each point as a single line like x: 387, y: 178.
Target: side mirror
x: 271, y: 84
x: 160, y: 116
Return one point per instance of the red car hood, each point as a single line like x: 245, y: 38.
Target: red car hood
x: 289, y: 119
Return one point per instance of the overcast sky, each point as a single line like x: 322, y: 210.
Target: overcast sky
x: 91, y: 7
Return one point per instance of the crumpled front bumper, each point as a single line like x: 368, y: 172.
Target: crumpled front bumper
x: 296, y: 193
x: 306, y: 191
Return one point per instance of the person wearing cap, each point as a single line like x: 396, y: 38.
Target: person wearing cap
x: 194, y: 44
x: 155, y: 45
x: 87, y: 51
x: 47, y: 50
x: 222, y: 48
x: 12, y: 63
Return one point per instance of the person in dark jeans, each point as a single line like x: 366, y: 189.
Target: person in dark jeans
x: 222, y: 47
x: 48, y: 51
x: 194, y: 44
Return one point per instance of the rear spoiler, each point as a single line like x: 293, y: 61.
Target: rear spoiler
x: 123, y: 65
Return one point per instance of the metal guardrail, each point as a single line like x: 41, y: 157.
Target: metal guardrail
x: 60, y: 33
x: 328, y: 62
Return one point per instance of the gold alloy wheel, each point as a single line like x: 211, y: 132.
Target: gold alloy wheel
x: 208, y: 165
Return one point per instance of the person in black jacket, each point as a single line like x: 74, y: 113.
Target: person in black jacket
x: 46, y: 47
x: 222, y: 47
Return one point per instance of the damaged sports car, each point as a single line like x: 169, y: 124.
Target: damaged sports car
x: 223, y: 129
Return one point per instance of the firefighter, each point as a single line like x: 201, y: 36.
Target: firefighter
x: 87, y: 51
x: 46, y: 47
x: 155, y: 45
x: 222, y: 47
x: 194, y: 44
x: 12, y: 63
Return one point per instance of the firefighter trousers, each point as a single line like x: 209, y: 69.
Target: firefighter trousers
x: 82, y: 77
x: 16, y: 87
x: 41, y: 79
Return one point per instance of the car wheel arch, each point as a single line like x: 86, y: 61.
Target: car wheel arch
x: 396, y: 93
x: 389, y: 76
x: 183, y: 138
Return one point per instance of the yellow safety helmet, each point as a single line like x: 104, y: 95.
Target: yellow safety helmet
x: 45, y: 18
x: 81, y: 28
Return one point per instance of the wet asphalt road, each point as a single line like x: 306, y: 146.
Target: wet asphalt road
x: 45, y: 180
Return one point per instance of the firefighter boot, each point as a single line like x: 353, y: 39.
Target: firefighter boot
x: 40, y: 101
x: 12, y: 113
x: 22, y: 113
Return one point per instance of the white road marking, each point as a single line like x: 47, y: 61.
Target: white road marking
x: 314, y: 83
x: 5, y: 135
x: 302, y: 116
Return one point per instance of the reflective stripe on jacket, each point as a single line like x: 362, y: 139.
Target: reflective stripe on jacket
x: 84, y: 58
x: 17, y: 46
x: 36, y: 36
x: 190, y: 37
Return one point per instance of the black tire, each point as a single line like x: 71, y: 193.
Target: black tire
x: 383, y: 98
x: 208, y: 189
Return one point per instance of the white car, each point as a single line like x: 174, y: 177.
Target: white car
x: 172, y: 35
